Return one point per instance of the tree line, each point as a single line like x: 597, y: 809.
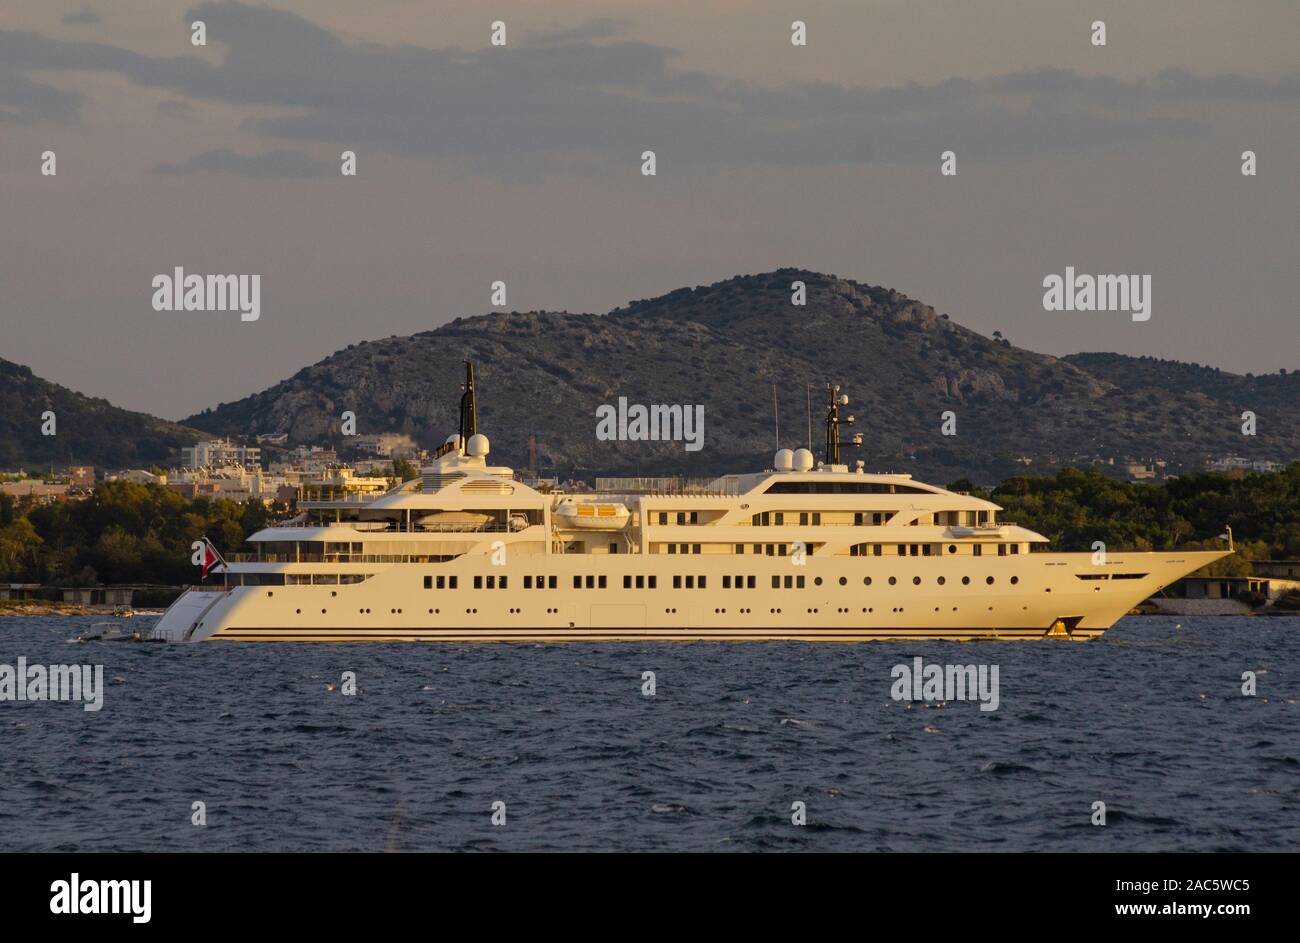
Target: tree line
x: 131, y: 533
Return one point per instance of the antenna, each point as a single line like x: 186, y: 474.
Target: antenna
x: 776, y: 418
x: 807, y: 388
x: 468, y: 408
x: 837, y: 399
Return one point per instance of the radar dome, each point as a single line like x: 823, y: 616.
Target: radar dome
x: 803, y: 460
x: 478, y: 444
x: 784, y: 460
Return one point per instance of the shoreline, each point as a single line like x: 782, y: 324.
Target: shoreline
x: 50, y: 608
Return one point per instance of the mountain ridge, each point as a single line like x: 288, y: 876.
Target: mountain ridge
x: 88, y: 430
x: 724, y: 345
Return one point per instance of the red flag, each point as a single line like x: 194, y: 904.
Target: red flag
x: 210, y: 558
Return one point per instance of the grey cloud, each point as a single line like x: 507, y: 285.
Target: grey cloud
x: 562, y: 94
x: 23, y: 100
x: 176, y: 109
x: 600, y: 28
x: 280, y: 163
x: 83, y: 17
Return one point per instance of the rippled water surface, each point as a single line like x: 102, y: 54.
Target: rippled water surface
x: 1150, y: 719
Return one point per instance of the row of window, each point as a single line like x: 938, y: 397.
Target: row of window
x: 927, y: 550
x: 682, y: 517
x: 814, y: 518
x: 855, y: 550
x: 296, y: 579
x: 651, y: 582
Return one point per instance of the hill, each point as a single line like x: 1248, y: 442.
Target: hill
x: 725, y: 346
x: 88, y: 431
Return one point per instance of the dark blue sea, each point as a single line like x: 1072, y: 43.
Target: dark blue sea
x: 1150, y: 719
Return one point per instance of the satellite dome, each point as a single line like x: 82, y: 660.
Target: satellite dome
x: 784, y: 460
x: 478, y: 444
x: 803, y: 460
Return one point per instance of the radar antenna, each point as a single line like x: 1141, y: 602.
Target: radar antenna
x: 833, y: 443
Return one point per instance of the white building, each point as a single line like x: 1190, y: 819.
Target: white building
x: 219, y: 452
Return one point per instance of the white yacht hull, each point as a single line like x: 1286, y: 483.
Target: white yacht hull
x: 1057, y: 594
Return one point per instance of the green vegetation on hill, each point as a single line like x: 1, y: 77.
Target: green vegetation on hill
x: 1075, y: 508
x: 124, y: 533
x: 88, y: 431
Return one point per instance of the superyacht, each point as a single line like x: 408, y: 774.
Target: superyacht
x: 805, y: 550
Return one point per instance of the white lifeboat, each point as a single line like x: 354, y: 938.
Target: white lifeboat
x: 454, y: 521
x: 592, y: 515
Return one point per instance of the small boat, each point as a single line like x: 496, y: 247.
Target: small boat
x: 454, y: 521
x: 108, y: 632
x: 593, y: 515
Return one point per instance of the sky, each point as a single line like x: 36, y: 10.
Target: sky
x: 522, y: 163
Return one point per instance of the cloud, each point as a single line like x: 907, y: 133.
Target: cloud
x: 83, y: 17
x: 562, y: 95
x: 176, y: 109
x: 267, y: 164
x: 24, y: 101
x: 600, y: 28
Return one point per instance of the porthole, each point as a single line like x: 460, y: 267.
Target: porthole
x: 952, y: 548
x: 843, y: 580
x: 965, y: 581
x: 1015, y: 580
x: 942, y: 581
x: 989, y: 580
x: 893, y: 580
x: 817, y: 581
x: 866, y: 581
x: 916, y: 581
x: 298, y: 611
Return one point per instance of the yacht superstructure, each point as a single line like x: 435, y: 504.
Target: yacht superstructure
x: 801, y: 551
